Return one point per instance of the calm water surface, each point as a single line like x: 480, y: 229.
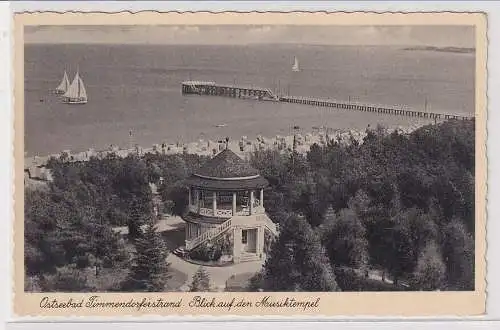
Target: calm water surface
x: 137, y: 87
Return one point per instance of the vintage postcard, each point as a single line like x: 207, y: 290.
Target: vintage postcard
x: 250, y: 164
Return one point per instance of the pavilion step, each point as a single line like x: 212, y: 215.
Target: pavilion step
x: 180, y: 251
x: 249, y: 257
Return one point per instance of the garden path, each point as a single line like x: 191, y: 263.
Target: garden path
x: 218, y: 275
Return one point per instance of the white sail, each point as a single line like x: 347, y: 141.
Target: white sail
x: 83, y: 91
x: 295, y: 67
x: 76, y: 92
x: 63, y: 85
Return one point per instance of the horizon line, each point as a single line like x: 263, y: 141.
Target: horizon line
x: 243, y: 44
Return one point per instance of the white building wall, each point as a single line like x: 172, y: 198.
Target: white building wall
x: 237, y: 246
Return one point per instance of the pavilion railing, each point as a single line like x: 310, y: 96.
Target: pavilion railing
x: 223, y: 213
x: 206, y: 212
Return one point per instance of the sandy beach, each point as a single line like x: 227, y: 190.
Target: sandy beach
x: 243, y: 146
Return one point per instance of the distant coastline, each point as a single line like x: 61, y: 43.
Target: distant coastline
x: 460, y: 50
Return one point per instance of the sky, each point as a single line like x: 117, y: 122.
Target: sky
x: 441, y: 36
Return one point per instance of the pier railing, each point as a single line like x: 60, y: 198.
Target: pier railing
x: 366, y: 107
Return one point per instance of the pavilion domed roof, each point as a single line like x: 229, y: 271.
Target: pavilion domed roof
x: 227, y: 164
x: 227, y: 171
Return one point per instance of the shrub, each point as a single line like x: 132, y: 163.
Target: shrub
x: 225, y: 244
x: 268, y: 241
x: 206, y: 252
x: 256, y: 282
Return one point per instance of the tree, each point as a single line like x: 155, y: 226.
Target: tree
x: 430, y: 272
x: 149, y: 271
x: 344, y: 238
x: 414, y: 187
x: 201, y: 281
x: 271, y: 165
x: 297, y: 261
x: 136, y: 218
x: 411, y: 232
x: 66, y: 227
x: 168, y: 207
x: 309, y: 201
x: 458, y: 253
x: 179, y: 196
x: 41, y: 253
x: 316, y: 156
x: 360, y: 203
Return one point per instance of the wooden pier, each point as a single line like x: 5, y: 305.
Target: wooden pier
x: 392, y: 110
x: 211, y: 88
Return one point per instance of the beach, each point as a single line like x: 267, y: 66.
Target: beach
x: 300, y: 142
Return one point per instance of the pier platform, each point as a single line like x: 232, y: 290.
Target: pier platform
x: 211, y: 88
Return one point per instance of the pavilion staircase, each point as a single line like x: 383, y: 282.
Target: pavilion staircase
x: 209, y: 234
x: 225, y: 226
x: 271, y: 226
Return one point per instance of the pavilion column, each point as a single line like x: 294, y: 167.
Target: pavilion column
x: 234, y: 203
x: 262, y: 198
x: 189, y: 203
x: 214, y: 202
x: 251, y: 201
x: 197, y: 199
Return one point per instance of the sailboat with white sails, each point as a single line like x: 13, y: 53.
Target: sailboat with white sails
x: 295, y: 67
x: 63, y: 85
x: 76, y: 93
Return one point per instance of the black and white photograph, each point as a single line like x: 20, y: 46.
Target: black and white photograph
x: 249, y: 158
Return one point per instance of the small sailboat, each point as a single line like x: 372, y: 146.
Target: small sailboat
x: 63, y: 85
x: 76, y: 93
x: 295, y: 67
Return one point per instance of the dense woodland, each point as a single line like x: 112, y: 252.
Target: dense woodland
x: 402, y: 204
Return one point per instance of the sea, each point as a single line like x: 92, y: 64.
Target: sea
x: 134, y: 91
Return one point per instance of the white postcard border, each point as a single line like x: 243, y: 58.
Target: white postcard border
x: 7, y: 140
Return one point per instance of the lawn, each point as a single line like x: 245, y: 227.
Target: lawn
x: 176, y: 280
x: 238, y: 283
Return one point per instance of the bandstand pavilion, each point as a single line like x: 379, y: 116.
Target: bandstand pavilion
x: 226, y: 198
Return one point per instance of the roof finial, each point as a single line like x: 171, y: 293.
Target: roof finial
x: 227, y: 142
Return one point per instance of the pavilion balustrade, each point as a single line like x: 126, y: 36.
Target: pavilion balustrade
x: 224, y: 203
